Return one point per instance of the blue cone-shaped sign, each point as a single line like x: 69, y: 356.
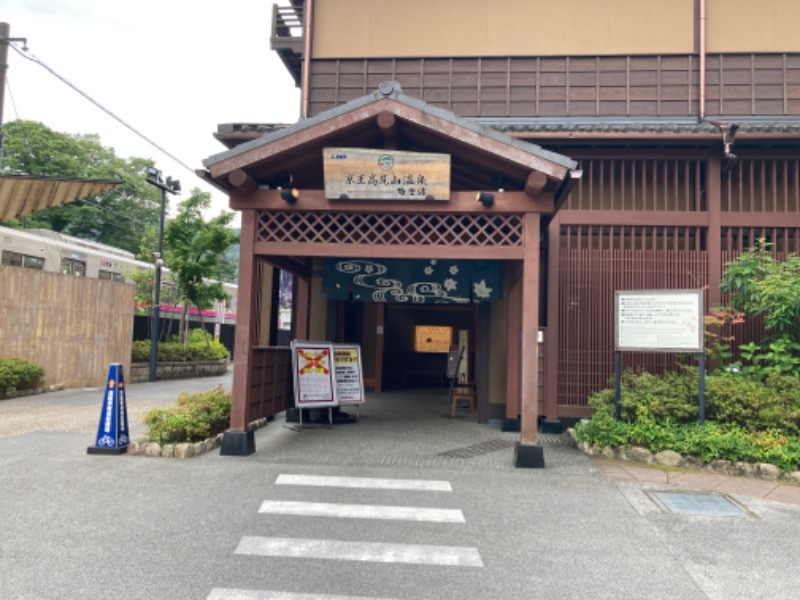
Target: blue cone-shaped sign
x: 112, y: 432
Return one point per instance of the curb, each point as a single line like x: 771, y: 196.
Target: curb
x: 669, y: 458
x: 186, y: 450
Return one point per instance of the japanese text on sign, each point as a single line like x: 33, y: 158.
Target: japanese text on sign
x: 662, y: 321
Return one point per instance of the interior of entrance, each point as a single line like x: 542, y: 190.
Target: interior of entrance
x: 417, y: 340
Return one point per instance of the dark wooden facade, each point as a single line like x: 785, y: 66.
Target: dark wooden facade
x: 688, y: 157
x: 564, y: 86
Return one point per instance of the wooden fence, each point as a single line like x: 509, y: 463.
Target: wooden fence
x: 74, y: 327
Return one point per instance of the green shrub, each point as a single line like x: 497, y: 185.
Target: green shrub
x: 754, y: 405
x: 672, y: 395
x: 193, y: 418
x: 18, y: 374
x: 173, y: 351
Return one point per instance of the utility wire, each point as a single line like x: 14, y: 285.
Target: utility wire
x: 27, y: 55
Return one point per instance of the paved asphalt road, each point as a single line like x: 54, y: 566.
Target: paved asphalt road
x: 420, y: 506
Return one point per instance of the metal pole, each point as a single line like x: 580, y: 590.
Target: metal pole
x: 617, y: 385
x: 157, y: 299
x: 702, y: 386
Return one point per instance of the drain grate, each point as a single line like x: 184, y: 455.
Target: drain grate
x: 702, y: 504
x: 478, y: 449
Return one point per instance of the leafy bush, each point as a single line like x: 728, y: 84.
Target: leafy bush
x: 193, y: 418
x: 748, y: 419
x: 755, y: 405
x: 18, y: 374
x: 196, y: 350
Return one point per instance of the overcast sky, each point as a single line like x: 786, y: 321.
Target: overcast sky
x: 172, y: 69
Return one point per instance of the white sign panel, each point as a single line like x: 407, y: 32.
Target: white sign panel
x: 314, y: 385
x: 349, y: 375
x: 659, y: 320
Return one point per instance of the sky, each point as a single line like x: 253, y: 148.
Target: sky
x: 171, y: 69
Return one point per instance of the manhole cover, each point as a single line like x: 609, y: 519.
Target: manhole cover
x: 699, y: 504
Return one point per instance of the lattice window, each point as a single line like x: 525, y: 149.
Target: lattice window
x: 627, y: 237
x: 390, y: 229
x: 642, y: 184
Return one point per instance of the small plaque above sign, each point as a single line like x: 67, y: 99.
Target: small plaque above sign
x: 364, y: 174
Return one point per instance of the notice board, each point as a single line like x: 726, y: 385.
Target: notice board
x: 313, y: 368
x: 348, y: 374
x: 659, y: 320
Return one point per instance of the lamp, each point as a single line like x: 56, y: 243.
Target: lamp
x: 485, y: 198
x: 173, y: 186
x: 290, y: 196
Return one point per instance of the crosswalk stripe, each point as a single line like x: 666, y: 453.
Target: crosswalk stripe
x: 365, y: 483
x: 233, y: 594
x: 362, y: 511
x: 360, y: 551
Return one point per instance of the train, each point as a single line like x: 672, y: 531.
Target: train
x: 54, y: 252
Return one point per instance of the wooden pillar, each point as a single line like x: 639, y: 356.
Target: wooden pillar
x: 714, y: 233
x: 551, y: 337
x: 529, y: 365
x: 513, y: 344
x: 238, y: 441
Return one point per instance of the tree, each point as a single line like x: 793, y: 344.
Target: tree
x: 195, y: 254
x: 759, y: 284
x: 115, y: 217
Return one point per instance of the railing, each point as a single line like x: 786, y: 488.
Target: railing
x: 287, y: 22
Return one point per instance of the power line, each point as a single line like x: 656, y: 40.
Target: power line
x: 29, y: 56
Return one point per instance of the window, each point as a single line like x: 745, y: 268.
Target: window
x: 70, y: 266
x: 17, y: 259
x: 101, y: 274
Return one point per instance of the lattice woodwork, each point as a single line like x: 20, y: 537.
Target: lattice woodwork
x: 642, y: 184
x: 390, y: 229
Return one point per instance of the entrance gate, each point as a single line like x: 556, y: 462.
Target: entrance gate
x: 515, y: 182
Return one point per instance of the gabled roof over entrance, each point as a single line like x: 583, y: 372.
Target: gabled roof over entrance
x: 387, y: 118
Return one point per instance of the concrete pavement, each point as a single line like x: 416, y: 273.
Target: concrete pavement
x: 83, y: 526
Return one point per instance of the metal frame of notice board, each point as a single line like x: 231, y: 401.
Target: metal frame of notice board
x: 659, y: 321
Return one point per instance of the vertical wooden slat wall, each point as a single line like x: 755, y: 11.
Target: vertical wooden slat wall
x: 582, y: 86
x: 638, y: 253
x: 74, y: 327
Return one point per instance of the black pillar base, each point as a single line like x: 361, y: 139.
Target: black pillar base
x: 528, y: 456
x: 238, y: 443
x: 510, y: 425
x: 552, y: 426
x: 103, y: 450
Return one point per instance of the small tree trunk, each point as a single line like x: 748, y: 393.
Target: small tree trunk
x: 184, y: 338
x: 203, y: 327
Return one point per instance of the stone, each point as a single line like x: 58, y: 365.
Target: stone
x: 794, y: 476
x: 152, y: 449
x: 743, y: 469
x: 720, y: 466
x: 168, y: 450
x: 668, y: 458
x: 184, y: 450
x: 209, y: 444
x: 692, y: 462
x: 572, y: 435
x: 133, y: 448
x: 638, y: 454
x: 767, y: 471
x: 199, y: 448
x: 608, y: 452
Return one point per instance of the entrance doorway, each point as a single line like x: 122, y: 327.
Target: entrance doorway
x: 416, y: 344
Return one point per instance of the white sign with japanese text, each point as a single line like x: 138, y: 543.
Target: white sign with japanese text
x: 659, y: 320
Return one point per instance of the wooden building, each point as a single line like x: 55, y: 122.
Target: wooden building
x: 628, y: 144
